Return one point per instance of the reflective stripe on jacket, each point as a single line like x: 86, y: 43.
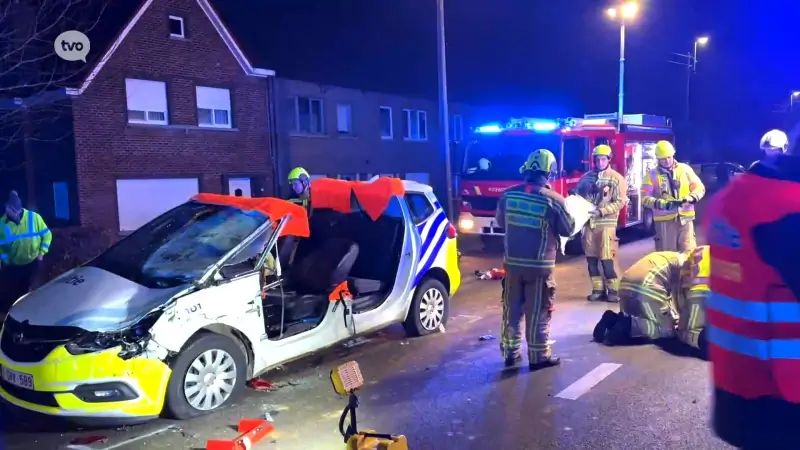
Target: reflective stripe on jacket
x: 656, y: 276
x: 753, y: 314
x: 22, y: 243
x: 660, y: 186
x: 533, y: 217
x: 608, y: 191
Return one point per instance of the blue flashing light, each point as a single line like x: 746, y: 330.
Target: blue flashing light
x: 544, y: 126
x: 489, y: 129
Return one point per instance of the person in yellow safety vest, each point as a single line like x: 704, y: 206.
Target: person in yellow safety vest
x: 534, y: 216
x: 24, y: 240
x: 661, y: 296
x: 671, y: 190
x: 300, y: 182
x: 608, y: 191
x: 774, y: 142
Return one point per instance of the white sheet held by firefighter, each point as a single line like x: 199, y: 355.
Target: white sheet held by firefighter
x: 581, y: 209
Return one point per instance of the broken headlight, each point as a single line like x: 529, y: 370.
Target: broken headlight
x: 132, y: 341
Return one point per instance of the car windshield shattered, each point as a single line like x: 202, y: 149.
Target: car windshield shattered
x: 180, y: 245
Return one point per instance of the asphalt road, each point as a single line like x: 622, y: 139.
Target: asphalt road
x: 449, y: 391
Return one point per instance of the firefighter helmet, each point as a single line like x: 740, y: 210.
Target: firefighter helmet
x: 602, y: 150
x: 541, y: 160
x: 664, y: 149
x: 775, y: 141
x: 298, y: 173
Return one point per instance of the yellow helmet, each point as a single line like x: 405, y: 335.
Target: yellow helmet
x: 602, y: 150
x: 298, y: 173
x: 541, y: 160
x: 664, y: 149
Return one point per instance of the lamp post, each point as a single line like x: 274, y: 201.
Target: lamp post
x: 444, y: 115
x: 690, y: 62
x: 793, y: 96
x: 624, y: 13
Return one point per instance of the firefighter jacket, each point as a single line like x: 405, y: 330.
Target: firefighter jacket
x: 534, y: 216
x: 656, y: 276
x: 22, y: 243
x: 662, y: 185
x: 608, y: 191
x: 753, y: 312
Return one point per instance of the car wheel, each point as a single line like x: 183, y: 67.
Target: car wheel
x: 429, y: 309
x: 208, y: 373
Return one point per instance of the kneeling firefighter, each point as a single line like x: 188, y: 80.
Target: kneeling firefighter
x: 608, y: 191
x: 533, y: 216
x: 661, y: 296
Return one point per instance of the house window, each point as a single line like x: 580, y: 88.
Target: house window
x: 308, y: 115
x: 344, y: 119
x: 213, y: 107
x: 176, y: 27
x: 415, y: 125
x: 457, y: 129
x: 147, y: 101
x: 387, y: 131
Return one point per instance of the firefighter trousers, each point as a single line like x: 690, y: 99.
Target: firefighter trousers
x: 675, y: 235
x: 650, y: 317
x: 529, y: 294
x: 601, y: 245
x: 692, y: 318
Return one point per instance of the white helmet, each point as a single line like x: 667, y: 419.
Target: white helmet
x: 484, y: 164
x: 775, y: 142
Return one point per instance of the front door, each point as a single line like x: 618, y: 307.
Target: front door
x: 240, y: 187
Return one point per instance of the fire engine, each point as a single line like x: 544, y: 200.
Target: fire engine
x: 492, y: 161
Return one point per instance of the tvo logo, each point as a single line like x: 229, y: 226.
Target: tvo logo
x: 72, y: 46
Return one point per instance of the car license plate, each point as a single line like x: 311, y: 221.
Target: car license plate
x: 19, y: 379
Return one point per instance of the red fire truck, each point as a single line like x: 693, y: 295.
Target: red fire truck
x: 493, y: 159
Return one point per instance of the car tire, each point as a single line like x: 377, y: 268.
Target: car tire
x: 177, y: 405
x: 428, y: 294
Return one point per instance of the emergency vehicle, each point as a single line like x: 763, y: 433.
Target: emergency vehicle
x: 492, y: 161
x: 175, y: 318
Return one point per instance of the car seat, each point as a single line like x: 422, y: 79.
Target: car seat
x: 324, y: 267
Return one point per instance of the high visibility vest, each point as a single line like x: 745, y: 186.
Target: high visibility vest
x: 753, y: 319
x: 683, y: 183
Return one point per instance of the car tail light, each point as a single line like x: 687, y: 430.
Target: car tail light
x: 451, y: 231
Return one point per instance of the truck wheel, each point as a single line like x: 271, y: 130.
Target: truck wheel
x: 430, y: 308
x: 492, y: 243
x: 209, y: 372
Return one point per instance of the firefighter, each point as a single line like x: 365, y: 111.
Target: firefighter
x: 300, y: 183
x: 671, y: 190
x: 607, y: 190
x: 774, y: 142
x: 24, y: 240
x: 753, y: 311
x: 533, y: 216
x: 661, y: 297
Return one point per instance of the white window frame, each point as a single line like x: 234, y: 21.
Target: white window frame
x: 311, y: 101
x: 215, y: 100
x: 148, y: 97
x: 389, y: 136
x: 183, y: 27
x: 458, y: 128
x: 344, y: 125
x: 413, y: 132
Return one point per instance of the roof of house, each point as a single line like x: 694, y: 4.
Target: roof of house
x: 106, y: 26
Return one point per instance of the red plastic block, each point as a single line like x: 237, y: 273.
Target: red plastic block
x: 252, y: 431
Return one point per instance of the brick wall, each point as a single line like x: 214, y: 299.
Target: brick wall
x: 107, y: 147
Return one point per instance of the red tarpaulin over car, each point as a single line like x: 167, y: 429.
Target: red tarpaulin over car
x: 373, y: 196
x: 273, y: 208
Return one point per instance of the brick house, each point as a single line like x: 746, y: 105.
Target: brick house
x: 167, y: 106
x: 349, y: 133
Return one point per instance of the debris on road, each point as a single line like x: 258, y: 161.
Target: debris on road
x: 493, y: 274
x: 89, y: 440
x: 356, y: 342
x: 257, y: 384
x: 441, y: 328
x: 268, y: 417
x: 487, y: 337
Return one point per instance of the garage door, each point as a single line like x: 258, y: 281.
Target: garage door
x: 139, y: 201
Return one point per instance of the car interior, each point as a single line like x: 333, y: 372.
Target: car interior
x: 341, y: 247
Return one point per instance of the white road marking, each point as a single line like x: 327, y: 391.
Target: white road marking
x: 588, y: 381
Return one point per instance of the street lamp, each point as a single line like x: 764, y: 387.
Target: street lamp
x: 793, y: 96
x: 625, y: 12
x: 690, y: 62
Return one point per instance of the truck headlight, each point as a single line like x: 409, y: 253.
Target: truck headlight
x: 466, y: 224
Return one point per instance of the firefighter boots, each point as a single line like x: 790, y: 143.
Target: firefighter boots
x: 606, y: 322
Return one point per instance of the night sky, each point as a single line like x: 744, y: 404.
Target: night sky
x: 548, y: 58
